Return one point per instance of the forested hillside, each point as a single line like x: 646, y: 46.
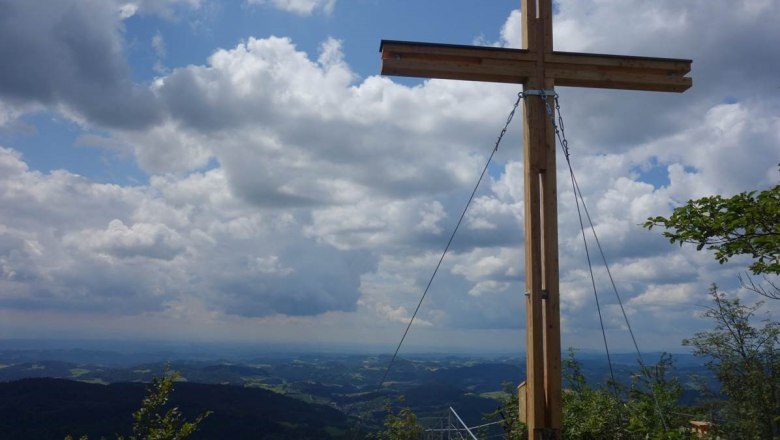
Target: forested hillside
x: 53, y: 408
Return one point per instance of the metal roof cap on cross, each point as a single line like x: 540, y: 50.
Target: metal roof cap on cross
x: 538, y: 67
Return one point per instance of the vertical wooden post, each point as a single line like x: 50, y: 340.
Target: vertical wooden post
x: 541, y: 236
x: 535, y: 397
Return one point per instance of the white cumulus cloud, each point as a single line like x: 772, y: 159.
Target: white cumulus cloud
x: 302, y: 7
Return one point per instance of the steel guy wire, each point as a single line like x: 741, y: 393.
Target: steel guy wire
x: 565, y: 147
x: 561, y: 136
x: 449, y: 242
x: 452, y: 236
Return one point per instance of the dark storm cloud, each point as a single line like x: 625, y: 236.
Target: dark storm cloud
x: 68, y: 54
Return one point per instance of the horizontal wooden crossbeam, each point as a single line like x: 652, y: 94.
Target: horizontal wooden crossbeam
x: 473, y: 63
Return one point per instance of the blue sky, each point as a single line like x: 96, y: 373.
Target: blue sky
x: 204, y: 170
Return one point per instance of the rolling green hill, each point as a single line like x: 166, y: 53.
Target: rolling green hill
x: 42, y: 408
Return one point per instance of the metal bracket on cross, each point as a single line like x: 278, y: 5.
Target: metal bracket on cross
x: 539, y: 93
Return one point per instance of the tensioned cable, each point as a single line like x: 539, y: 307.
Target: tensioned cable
x: 452, y: 236
x: 595, y: 291
x: 449, y: 242
x: 565, y: 147
x: 640, y: 359
x: 578, y: 194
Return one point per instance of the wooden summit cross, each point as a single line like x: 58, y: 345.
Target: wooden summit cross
x: 539, y: 69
